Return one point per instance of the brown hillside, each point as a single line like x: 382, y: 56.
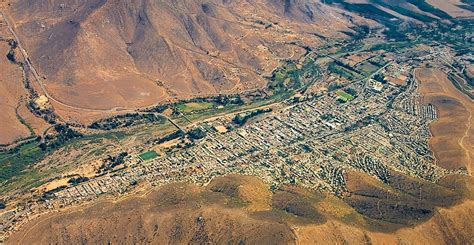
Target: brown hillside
x: 104, y: 54
x: 181, y: 213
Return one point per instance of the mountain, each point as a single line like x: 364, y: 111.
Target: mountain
x: 97, y: 56
x: 415, y: 10
x: 103, y: 54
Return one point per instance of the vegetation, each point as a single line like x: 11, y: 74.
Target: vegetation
x: 197, y: 105
x: 11, y: 56
x: 112, y: 161
x: 148, y: 155
x: 344, y: 70
x: 77, y: 180
x: 289, y: 78
x: 15, y: 164
x: 48, y: 194
x: 351, y: 91
x: 64, y: 134
x: 345, y: 97
x: 241, y: 118
x: 197, y: 133
x: 194, y: 106
x: 127, y: 120
x: 380, y: 78
x: 172, y: 136
x: 158, y: 109
x: 391, y: 46
x: 22, y: 121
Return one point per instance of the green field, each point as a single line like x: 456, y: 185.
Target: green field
x: 367, y: 68
x: 194, y: 106
x: 344, y: 96
x: 16, y: 171
x: 344, y: 71
x: 148, y: 155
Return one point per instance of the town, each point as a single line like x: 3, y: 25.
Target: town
x: 377, y: 124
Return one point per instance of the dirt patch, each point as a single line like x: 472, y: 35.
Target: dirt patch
x: 53, y: 184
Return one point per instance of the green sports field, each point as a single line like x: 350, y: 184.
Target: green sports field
x: 344, y: 96
x: 148, y: 155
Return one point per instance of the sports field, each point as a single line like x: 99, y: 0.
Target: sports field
x: 148, y: 155
x: 344, y: 96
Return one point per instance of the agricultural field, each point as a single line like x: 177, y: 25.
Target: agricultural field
x: 344, y: 71
x: 367, y: 68
x: 194, y: 106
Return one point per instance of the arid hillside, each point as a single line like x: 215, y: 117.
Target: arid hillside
x: 242, y: 210
x: 415, y: 10
x: 105, y: 54
x: 97, y: 57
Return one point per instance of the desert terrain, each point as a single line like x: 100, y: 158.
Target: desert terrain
x: 12, y: 92
x: 96, y: 58
x: 101, y: 58
x: 161, y: 50
x: 239, y: 209
x: 453, y: 133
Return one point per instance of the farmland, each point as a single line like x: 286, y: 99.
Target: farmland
x: 194, y: 106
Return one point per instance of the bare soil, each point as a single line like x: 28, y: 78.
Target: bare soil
x: 453, y: 132
x: 11, y: 90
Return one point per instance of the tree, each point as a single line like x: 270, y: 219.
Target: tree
x: 197, y: 133
x: 381, y: 78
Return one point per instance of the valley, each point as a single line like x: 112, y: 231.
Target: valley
x: 289, y: 132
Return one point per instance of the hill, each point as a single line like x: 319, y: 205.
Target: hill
x: 104, y: 54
